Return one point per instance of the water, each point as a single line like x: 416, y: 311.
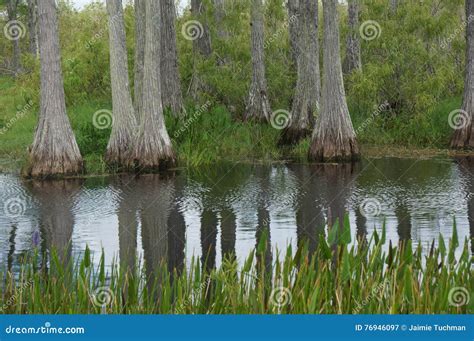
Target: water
x: 214, y: 211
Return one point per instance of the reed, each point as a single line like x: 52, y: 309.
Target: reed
x: 338, y: 277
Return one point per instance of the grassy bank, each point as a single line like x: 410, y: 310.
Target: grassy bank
x: 208, y: 133
x: 336, y: 278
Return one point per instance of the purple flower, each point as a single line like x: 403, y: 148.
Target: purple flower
x: 36, y: 238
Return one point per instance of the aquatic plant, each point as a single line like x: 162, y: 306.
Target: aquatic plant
x: 370, y: 275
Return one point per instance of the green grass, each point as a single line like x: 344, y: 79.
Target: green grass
x: 336, y: 278
x: 425, y: 130
x: 208, y: 134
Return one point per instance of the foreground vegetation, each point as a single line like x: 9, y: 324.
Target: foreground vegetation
x: 370, y: 277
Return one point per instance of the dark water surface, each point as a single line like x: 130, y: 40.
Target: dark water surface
x: 219, y: 210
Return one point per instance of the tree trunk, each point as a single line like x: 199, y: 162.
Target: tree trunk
x: 32, y: 26
x: 17, y: 32
x: 199, y: 34
x: 353, y: 58
x: 308, y: 88
x: 222, y: 33
x: 333, y: 138
x: 294, y: 17
x: 219, y: 7
x: 394, y: 5
x: 124, y: 122
x: 258, y: 105
x: 202, y: 43
x: 139, y: 55
x: 54, y: 150
x: 462, y: 121
x: 170, y: 82
x: 152, y: 149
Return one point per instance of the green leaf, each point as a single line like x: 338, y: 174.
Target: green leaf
x: 442, y: 246
x: 87, y: 257
x: 324, y: 247
x: 333, y: 232
x: 345, y: 237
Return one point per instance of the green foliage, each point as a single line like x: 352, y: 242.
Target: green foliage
x: 416, y: 65
x: 203, y: 137
x: 344, y: 279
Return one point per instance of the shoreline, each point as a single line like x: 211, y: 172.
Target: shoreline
x: 367, y: 151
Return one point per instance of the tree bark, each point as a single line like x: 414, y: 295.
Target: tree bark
x: 170, y: 82
x: 124, y: 122
x: 258, y: 105
x: 294, y: 17
x: 32, y: 26
x: 308, y: 86
x: 333, y: 138
x: 353, y: 59
x: 152, y: 150
x: 201, y: 47
x: 139, y: 55
x: 219, y: 8
x: 222, y: 33
x: 202, y: 44
x: 463, y: 137
x: 54, y: 150
x: 12, y: 9
x: 394, y: 5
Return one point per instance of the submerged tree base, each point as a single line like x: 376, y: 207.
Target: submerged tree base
x: 463, y: 138
x: 346, y: 151
x: 147, y: 160
x: 293, y: 135
x: 53, y: 168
